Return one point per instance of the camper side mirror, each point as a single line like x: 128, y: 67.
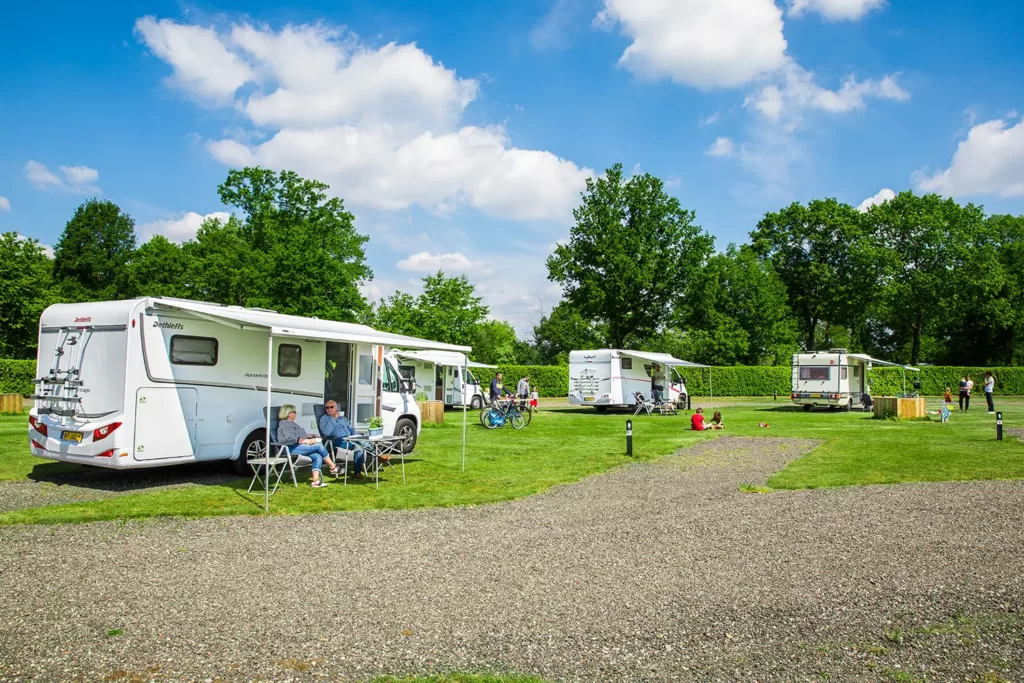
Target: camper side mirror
x: 408, y: 386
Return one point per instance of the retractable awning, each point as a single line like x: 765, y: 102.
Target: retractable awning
x: 875, y: 361
x: 663, y: 358
x: 281, y: 325
x: 442, y: 358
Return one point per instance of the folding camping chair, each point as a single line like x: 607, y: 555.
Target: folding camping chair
x: 642, y: 404
x: 342, y: 456
x: 280, y: 450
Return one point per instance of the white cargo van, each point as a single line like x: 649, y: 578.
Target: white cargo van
x: 160, y: 381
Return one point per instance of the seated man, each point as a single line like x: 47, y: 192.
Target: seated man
x: 656, y: 388
x: 334, y: 428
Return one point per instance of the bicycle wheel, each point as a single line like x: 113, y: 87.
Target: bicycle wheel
x: 483, y: 415
x: 527, y: 414
x: 491, y: 420
x: 517, y: 420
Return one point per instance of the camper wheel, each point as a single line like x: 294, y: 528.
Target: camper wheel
x: 406, y: 429
x: 476, y: 403
x: 807, y: 407
x: 253, y: 444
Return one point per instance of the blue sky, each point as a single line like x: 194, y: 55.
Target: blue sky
x: 460, y: 133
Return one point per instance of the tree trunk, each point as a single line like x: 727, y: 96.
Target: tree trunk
x: 915, y: 352
x: 812, y: 328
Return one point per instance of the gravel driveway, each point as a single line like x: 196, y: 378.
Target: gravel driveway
x: 661, y: 571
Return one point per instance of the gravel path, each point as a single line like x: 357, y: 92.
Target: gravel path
x: 662, y: 571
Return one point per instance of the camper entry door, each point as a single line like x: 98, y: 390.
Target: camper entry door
x: 365, y: 383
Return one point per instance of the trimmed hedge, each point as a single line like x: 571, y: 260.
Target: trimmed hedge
x: 763, y: 380
x: 551, y: 380
x: 16, y: 377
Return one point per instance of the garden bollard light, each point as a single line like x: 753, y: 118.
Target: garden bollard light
x: 629, y: 437
x: 687, y: 401
x: 999, y: 426
x: 775, y: 395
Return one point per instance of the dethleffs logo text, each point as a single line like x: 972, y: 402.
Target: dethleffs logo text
x: 168, y: 326
x: 86, y: 319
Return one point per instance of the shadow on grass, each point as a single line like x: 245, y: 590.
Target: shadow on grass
x: 205, y: 474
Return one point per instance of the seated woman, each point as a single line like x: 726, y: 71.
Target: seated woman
x: 300, y: 443
x: 717, y: 421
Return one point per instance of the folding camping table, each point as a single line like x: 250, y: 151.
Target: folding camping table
x: 376, y: 446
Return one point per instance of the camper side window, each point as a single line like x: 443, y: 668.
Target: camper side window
x: 407, y: 371
x: 842, y: 372
x: 811, y: 372
x: 627, y: 363
x: 289, y: 360
x: 193, y: 350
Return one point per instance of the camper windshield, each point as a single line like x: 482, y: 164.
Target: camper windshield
x: 102, y: 364
x: 676, y: 377
x: 469, y: 377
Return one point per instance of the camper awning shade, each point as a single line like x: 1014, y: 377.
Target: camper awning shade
x: 307, y: 328
x: 442, y: 358
x: 875, y: 361
x: 663, y: 358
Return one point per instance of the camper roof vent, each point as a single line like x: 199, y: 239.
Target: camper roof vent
x: 838, y: 351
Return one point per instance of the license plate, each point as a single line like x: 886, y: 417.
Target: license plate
x: 73, y: 436
x: 815, y: 395
x: 588, y: 398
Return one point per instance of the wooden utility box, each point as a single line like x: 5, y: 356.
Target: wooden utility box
x: 10, y: 403
x: 432, y: 411
x: 902, y: 408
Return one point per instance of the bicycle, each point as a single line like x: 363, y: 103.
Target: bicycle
x: 504, y: 412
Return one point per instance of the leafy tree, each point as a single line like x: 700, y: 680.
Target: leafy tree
x: 310, y: 257
x: 736, y: 312
x: 158, y: 268
x: 630, y: 254
x: 495, y: 342
x: 448, y: 311
x: 1008, y: 232
x: 90, y: 258
x: 222, y: 267
x: 820, y: 252
x: 24, y: 293
x: 925, y: 241
x: 564, y: 330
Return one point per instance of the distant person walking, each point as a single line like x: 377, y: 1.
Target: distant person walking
x: 963, y: 393
x: 523, y: 388
x: 970, y: 389
x: 990, y: 385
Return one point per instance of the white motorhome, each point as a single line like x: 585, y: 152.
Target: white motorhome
x: 443, y: 376
x: 160, y: 381
x: 606, y: 378
x: 834, y: 378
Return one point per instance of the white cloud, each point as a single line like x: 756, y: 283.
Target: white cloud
x: 797, y: 92
x: 884, y: 195
x: 77, y: 179
x: 551, y: 31
x: 702, y: 43
x: 710, y: 119
x: 672, y: 182
x: 203, y: 66
x: 5, y: 204
x: 382, y: 126
x: 47, y: 249
x: 180, y: 228
x: 451, y: 263
x: 721, y: 147
x: 835, y: 10
x: 989, y: 162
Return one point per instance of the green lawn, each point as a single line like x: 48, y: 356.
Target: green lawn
x: 565, y: 445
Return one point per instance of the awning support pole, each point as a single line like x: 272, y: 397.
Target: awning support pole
x: 465, y: 370
x: 711, y: 387
x: 266, y: 468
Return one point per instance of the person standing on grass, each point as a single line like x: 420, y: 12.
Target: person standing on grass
x: 497, y: 388
x: 535, y: 399
x: 523, y: 388
x: 963, y: 393
x: 990, y: 385
x: 969, y: 387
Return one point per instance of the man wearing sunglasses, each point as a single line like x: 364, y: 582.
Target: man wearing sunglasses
x: 334, y: 427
